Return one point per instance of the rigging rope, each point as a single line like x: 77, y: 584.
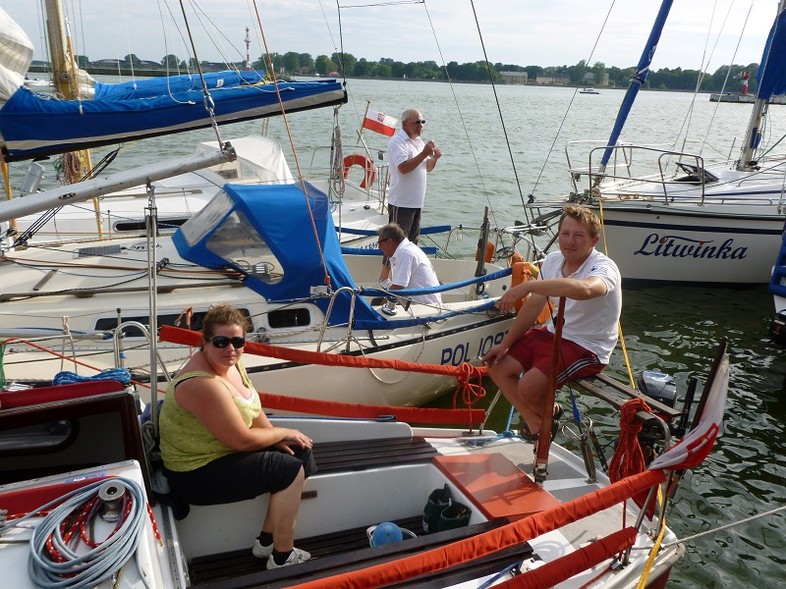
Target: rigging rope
x: 285, y: 118
x: 54, y: 561
x: 499, y: 108
x: 628, y: 458
x: 728, y: 526
x: 207, y: 99
x: 570, y: 104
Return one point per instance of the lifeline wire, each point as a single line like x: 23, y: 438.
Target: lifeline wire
x: 718, y: 529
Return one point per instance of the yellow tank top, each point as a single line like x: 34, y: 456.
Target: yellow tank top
x: 185, y: 443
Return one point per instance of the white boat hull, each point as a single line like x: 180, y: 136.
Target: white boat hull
x: 654, y: 242
x: 692, y: 222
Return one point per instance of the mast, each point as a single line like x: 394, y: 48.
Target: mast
x: 771, y: 80
x: 642, y: 70
x: 63, y: 71
x: 248, y: 50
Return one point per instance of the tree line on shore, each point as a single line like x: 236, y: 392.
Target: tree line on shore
x: 580, y: 74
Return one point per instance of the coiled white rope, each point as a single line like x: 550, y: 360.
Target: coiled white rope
x: 74, y: 571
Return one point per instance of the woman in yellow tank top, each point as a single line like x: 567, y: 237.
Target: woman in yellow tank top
x: 218, y: 446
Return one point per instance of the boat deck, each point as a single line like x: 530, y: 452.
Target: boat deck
x: 346, y: 551
x: 493, y: 476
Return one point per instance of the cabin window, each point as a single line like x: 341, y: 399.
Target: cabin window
x: 39, y: 438
x: 203, y: 221
x: 110, y: 323
x: 283, y: 318
x: 237, y: 241
x: 137, y: 226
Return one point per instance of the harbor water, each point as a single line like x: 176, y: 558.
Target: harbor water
x: 673, y: 329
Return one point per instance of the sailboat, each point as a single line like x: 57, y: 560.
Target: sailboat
x: 271, y: 250
x: 79, y: 449
x: 33, y: 125
x: 674, y: 217
x: 94, y: 114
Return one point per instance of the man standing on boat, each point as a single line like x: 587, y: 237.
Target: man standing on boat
x: 411, y: 159
x: 592, y: 285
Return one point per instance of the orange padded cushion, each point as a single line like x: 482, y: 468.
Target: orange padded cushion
x: 496, y: 486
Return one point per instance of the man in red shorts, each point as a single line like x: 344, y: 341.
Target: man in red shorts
x: 591, y: 283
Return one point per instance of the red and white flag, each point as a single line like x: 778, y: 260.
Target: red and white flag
x: 696, y: 445
x: 379, y: 122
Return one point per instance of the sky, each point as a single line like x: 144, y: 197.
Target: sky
x: 698, y: 33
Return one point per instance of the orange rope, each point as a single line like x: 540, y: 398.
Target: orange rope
x: 463, y: 373
x: 361, y: 411
x: 470, y: 393
x: 628, y: 458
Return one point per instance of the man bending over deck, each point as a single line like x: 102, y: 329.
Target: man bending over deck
x: 411, y: 268
x: 591, y: 283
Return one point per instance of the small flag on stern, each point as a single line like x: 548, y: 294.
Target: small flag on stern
x: 379, y: 123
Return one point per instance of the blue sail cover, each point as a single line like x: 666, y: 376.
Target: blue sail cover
x: 280, y: 215
x: 180, y: 83
x: 642, y: 70
x: 34, y: 125
x: 771, y: 79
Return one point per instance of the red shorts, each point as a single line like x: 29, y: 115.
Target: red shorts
x: 535, y: 350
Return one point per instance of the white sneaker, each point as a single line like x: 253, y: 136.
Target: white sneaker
x: 297, y: 556
x: 261, y: 551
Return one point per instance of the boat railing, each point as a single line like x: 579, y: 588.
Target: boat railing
x: 661, y: 169
x: 117, y: 344
x: 326, y: 321
x: 320, y: 168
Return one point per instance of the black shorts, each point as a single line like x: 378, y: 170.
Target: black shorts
x: 406, y: 218
x: 240, y: 476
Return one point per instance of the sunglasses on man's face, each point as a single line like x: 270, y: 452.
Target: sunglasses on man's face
x: 222, y: 341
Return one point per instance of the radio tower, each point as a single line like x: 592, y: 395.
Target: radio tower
x: 248, y: 51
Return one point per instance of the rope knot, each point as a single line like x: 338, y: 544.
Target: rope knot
x: 470, y: 393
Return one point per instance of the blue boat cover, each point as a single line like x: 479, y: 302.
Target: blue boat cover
x: 281, y: 217
x: 34, y: 125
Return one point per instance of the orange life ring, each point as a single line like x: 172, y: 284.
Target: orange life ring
x: 523, y: 272
x: 358, y: 159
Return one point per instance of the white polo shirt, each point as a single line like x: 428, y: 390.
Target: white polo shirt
x: 406, y: 190
x: 411, y: 268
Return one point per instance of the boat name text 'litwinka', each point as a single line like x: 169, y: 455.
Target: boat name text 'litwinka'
x: 674, y: 246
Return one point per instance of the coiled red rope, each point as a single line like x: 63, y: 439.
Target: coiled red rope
x: 628, y: 458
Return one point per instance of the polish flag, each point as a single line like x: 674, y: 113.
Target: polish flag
x: 379, y: 123
x: 696, y: 445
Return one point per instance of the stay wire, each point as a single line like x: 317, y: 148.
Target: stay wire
x: 728, y: 526
x: 206, y: 97
x: 461, y: 115
x: 205, y: 19
x: 728, y: 72
x: 299, y: 168
x: 499, y: 110
x: 570, y: 105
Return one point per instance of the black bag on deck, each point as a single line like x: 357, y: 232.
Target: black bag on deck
x: 455, y: 515
x: 442, y: 513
